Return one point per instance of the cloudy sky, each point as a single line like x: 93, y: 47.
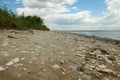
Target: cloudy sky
x: 71, y: 14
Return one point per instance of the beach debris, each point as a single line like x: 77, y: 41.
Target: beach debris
x: 80, y: 68
x: 2, y: 68
x: 12, y: 62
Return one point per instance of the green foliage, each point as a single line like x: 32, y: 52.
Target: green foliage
x: 10, y: 20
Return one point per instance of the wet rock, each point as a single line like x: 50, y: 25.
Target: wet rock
x: 80, y: 68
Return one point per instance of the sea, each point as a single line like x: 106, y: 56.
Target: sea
x: 109, y: 34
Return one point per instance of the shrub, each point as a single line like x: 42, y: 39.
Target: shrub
x: 10, y: 20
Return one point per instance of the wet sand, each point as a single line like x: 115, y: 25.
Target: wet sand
x: 50, y: 55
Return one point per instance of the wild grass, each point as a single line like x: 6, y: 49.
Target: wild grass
x: 10, y: 20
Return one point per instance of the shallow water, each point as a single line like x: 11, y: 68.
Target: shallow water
x: 110, y: 34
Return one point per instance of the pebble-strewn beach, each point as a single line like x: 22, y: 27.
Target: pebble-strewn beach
x: 50, y: 55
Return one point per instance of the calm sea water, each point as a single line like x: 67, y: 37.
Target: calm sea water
x: 111, y: 34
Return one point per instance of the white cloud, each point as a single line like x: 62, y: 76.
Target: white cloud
x: 112, y: 15
x: 58, y: 16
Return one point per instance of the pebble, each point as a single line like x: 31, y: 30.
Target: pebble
x: 107, y: 71
x: 24, y: 69
x: 62, y: 61
x: 22, y: 58
x: 30, y: 62
x: 12, y: 36
x: 12, y: 62
x: 80, y: 69
x: 2, y: 68
x: 56, y: 66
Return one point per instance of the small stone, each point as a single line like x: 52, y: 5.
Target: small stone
x: 37, y: 54
x: 107, y: 71
x: 1, y: 68
x: 24, y: 69
x: 19, y: 75
x: 35, y: 58
x: 23, y: 51
x: 80, y: 68
x: 62, y: 61
x: 56, y: 66
x: 104, y: 51
x: 30, y: 62
x: 22, y: 58
x: 15, y: 60
x: 102, y: 66
x: 44, y: 70
x: 10, y: 63
x: 111, y: 58
x: 11, y: 36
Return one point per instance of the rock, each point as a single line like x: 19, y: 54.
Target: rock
x: 106, y: 71
x: 80, y: 68
x: 111, y: 58
x: 62, y: 61
x: 24, y: 69
x: 30, y: 62
x: 56, y: 66
x: 22, y: 58
x: 74, y: 62
x: 2, y: 68
x: 12, y: 62
x: 102, y: 66
x: 79, y: 55
x: 104, y: 51
x: 11, y: 36
x: 15, y: 60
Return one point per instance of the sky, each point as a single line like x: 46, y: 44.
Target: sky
x: 71, y: 14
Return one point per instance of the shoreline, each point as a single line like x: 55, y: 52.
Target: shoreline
x: 52, y: 55
x: 107, y: 40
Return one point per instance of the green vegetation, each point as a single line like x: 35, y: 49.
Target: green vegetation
x: 10, y: 20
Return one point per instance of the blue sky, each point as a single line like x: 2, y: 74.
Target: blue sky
x: 71, y: 14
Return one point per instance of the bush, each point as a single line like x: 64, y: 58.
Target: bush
x: 10, y: 20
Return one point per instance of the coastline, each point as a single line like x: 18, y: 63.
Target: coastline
x: 53, y: 55
x: 107, y: 40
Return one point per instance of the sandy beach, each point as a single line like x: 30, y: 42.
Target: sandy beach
x: 50, y: 55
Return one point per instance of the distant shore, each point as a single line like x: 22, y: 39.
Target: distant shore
x: 107, y: 40
x: 53, y: 55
